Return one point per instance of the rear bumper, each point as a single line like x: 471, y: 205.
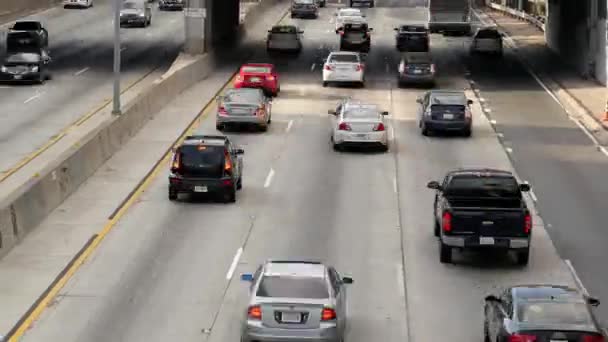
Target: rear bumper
x: 333, y: 76
x: 416, y: 78
x: 28, y: 77
x: 473, y: 242
x: 255, y: 331
x: 132, y: 21
x: 244, y: 119
x: 440, y: 125
x: 189, y: 185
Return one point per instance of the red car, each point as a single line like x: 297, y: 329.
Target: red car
x: 259, y: 75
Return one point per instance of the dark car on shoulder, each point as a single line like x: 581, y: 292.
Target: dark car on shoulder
x: 412, y: 38
x: 206, y: 164
x: 541, y: 313
x: 30, y: 67
x: 481, y: 209
x: 416, y: 68
x: 445, y: 111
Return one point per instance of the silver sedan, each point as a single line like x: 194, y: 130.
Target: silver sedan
x: 358, y: 124
x: 244, y: 106
x: 295, y: 300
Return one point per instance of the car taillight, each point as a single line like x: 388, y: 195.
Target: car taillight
x: 522, y: 338
x: 343, y: 126
x: 432, y: 68
x: 328, y: 314
x: 446, y: 222
x: 259, y: 111
x: 328, y: 67
x: 379, y: 127
x: 467, y: 114
x: 227, y: 163
x: 593, y: 338
x: 269, y: 78
x: 528, y: 223
x: 254, y: 312
x: 222, y: 110
x: 239, y: 78
x: 341, y: 33
x: 359, y: 67
x: 368, y: 34
x: 176, y: 164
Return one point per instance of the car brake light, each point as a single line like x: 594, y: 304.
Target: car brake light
x: 328, y: 314
x: 528, y: 223
x: 270, y: 78
x: 175, y: 166
x: 227, y: 163
x: 222, y: 110
x: 341, y: 33
x: 446, y: 222
x: 467, y: 113
x: 379, y: 127
x: 328, y: 67
x: 593, y: 338
x: 343, y: 126
x: 522, y: 338
x: 259, y: 111
x: 254, y: 312
x: 239, y: 78
x: 359, y: 67
x: 432, y: 68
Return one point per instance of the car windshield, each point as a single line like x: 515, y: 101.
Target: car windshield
x: 293, y: 287
x: 255, y: 70
x: 483, y: 187
x: 488, y: 34
x: 339, y: 58
x: 553, y: 312
x: 23, y: 58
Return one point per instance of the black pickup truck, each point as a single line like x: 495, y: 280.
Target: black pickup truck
x: 481, y: 208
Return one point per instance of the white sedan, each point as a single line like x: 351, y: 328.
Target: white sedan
x: 344, y: 67
x: 346, y: 13
x: 358, y: 124
x: 77, y: 3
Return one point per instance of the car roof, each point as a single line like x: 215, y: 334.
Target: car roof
x: 480, y: 171
x: 294, y: 267
x: 216, y: 140
x: 417, y: 57
x: 540, y: 292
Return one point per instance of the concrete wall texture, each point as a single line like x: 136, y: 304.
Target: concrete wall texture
x: 12, y: 9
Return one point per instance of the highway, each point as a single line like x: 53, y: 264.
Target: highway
x: 164, y: 271
x: 82, y: 51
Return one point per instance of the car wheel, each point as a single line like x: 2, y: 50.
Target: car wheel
x: 486, y: 334
x: 523, y: 257
x: 219, y: 127
x: 425, y: 131
x: 371, y: 4
x: 436, y: 228
x: 172, y: 195
x: 445, y: 253
x: 239, y: 183
x: 325, y: 83
x: 263, y: 128
x: 362, y: 84
x: 230, y: 195
x: 467, y: 132
x: 292, y: 16
x: 384, y: 148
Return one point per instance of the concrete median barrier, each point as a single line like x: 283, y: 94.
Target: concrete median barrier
x: 12, y: 9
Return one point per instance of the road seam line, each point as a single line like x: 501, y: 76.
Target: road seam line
x: 234, y: 263
x: 82, y: 71
x: 269, y: 178
x: 33, y: 98
x: 288, y: 128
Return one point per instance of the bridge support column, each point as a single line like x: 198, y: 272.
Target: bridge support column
x: 195, y: 18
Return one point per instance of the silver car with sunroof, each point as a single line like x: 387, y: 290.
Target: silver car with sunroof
x: 244, y: 106
x: 295, y: 300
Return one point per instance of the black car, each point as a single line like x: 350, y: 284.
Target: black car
x: 481, y: 208
x: 541, y: 313
x: 416, y: 68
x: 171, y: 4
x: 412, y: 38
x: 445, y: 110
x: 206, y: 164
x: 26, y: 67
x: 355, y: 37
x: 321, y: 3
x: 368, y: 3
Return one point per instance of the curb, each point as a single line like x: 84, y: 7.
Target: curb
x: 539, y: 23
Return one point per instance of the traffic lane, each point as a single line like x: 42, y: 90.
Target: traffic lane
x: 75, y: 90
x: 559, y: 159
x: 336, y: 207
x: 453, y: 294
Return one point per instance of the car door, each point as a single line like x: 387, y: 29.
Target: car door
x: 340, y: 294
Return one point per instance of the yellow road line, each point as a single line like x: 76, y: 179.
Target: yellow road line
x: 44, y: 302
x: 28, y: 159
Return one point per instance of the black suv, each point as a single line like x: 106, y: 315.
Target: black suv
x: 206, y: 164
x: 355, y: 37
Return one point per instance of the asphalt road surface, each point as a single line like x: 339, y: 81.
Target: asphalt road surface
x: 164, y: 272
x: 81, y: 45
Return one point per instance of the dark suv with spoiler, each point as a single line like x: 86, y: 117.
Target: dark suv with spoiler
x: 206, y: 164
x: 481, y: 208
x: 355, y: 37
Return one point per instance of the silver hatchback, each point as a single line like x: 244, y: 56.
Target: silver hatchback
x: 295, y: 300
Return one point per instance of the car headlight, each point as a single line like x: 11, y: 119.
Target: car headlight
x: 35, y: 68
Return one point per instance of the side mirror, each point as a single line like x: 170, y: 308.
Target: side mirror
x: 492, y: 298
x: 331, y: 112
x: 347, y: 280
x: 524, y: 187
x: 470, y: 102
x: 396, y: 29
x: 301, y: 32
x: 239, y: 151
x: 247, y: 277
x: 370, y: 29
x: 384, y: 113
x: 419, y: 100
x: 433, y: 185
x: 593, y: 301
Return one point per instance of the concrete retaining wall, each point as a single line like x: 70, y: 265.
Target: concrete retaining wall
x: 12, y: 9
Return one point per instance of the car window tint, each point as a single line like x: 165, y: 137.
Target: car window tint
x: 488, y: 34
x: 447, y: 109
x: 293, y: 287
x: 194, y: 156
x: 448, y: 99
x: 554, y: 312
x: 483, y: 187
x: 344, y: 58
x: 24, y: 58
x: 26, y: 26
x: 256, y: 69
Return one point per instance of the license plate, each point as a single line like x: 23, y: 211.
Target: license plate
x: 18, y: 77
x: 291, y: 317
x: 416, y: 71
x: 200, y: 188
x: 254, y: 79
x: 486, y: 240
x: 448, y: 116
x: 361, y: 136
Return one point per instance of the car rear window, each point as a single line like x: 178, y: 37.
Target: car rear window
x: 413, y: 28
x: 487, y: 34
x: 284, y: 29
x: 243, y: 96
x: 349, y: 13
x: 456, y: 109
x: 554, y: 312
x: 483, y: 187
x: 24, y: 58
x: 293, y: 287
x: 26, y: 26
x: 344, y: 58
x: 355, y: 27
x: 256, y: 69
x: 197, y: 156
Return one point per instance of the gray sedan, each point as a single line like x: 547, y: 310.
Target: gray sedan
x: 445, y: 110
x: 244, y: 106
x: 292, y: 300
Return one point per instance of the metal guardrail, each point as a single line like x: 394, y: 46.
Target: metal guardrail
x: 537, y: 21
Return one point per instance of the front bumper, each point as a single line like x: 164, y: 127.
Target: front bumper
x: 255, y: 331
x: 361, y: 139
x: 241, y: 119
x: 473, y: 242
x: 336, y: 76
x: 200, y: 185
x: 446, y: 125
x: 25, y: 77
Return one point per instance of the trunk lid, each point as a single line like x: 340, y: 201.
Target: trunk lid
x: 292, y: 313
x: 496, y: 217
x: 362, y: 125
x: 241, y: 109
x: 448, y: 112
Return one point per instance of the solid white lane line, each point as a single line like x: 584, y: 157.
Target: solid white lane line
x: 533, y: 195
x: 391, y: 133
x: 509, y: 150
x: 578, y: 281
x: 493, y: 122
x: 269, y: 178
x: 289, y: 124
x: 235, y: 261
x: 32, y: 98
x: 82, y: 71
x: 401, y: 280
x: 482, y: 100
x: 313, y: 66
x: 584, y: 129
x: 500, y: 135
x: 395, y: 184
x: 604, y: 150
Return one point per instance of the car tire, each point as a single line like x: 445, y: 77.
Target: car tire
x: 371, y: 4
x: 263, y: 128
x: 230, y: 195
x: 172, y: 195
x: 337, y: 147
x: 384, y: 148
x: 219, y: 127
x: 486, y: 334
x: 424, y: 130
x: 436, y: 229
x: 445, y: 253
x: 239, y: 183
x: 292, y: 16
x: 523, y: 257
x: 325, y: 84
x: 467, y: 132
